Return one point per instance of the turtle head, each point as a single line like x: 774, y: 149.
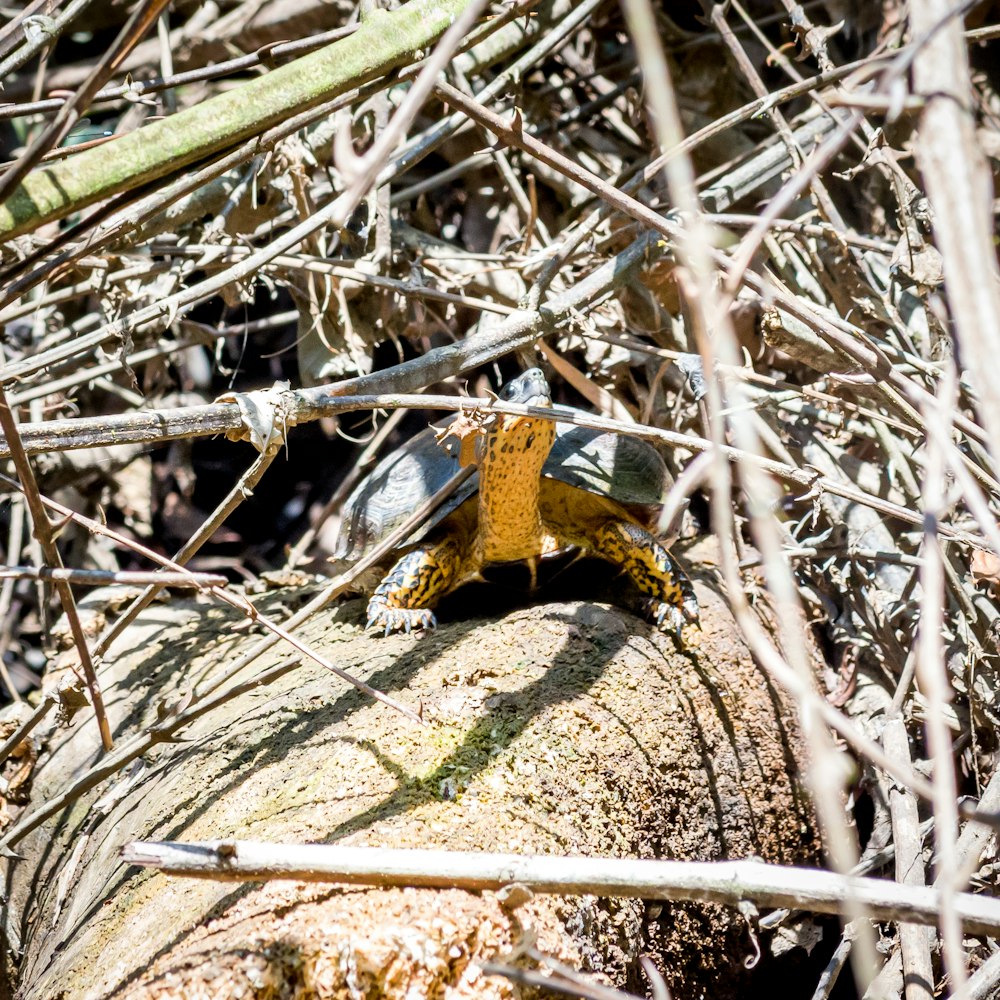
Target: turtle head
x: 529, y: 388
x: 528, y: 438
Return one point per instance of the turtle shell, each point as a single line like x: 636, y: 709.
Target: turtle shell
x: 625, y: 469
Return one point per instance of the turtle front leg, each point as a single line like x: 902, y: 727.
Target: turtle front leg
x: 403, y: 600
x: 670, y: 598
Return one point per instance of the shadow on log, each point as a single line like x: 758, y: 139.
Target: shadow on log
x: 563, y: 728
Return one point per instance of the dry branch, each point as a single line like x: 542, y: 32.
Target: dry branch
x: 728, y: 882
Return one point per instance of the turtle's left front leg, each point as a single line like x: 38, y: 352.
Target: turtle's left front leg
x: 670, y: 598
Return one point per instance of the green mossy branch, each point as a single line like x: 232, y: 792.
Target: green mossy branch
x: 383, y: 42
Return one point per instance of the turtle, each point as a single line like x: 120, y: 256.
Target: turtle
x: 538, y: 489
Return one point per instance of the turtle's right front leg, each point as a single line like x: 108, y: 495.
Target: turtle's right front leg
x: 404, y: 598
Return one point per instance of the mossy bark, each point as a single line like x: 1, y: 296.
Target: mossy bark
x: 562, y: 728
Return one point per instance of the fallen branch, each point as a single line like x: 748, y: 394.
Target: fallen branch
x: 727, y: 882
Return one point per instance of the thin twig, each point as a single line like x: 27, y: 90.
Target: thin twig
x: 117, y: 578
x: 915, y: 944
x: 44, y: 532
x: 932, y: 675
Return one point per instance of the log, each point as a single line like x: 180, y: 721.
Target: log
x: 564, y: 728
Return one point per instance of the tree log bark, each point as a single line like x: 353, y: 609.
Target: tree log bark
x: 563, y: 728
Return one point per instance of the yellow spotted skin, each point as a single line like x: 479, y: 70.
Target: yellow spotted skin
x: 602, y: 527
x: 510, y: 476
x: 670, y: 597
x: 403, y: 600
x: 520, y: 515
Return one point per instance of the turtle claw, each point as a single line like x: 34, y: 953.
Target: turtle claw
x: 382, y: 615
x: 671, y: 618
x: 689, y: 608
